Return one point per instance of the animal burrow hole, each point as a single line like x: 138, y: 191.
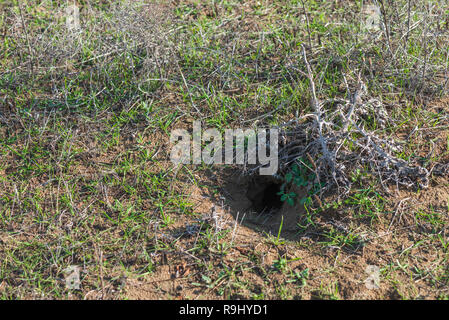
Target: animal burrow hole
x: 257, y: 201
x: 263, y: 192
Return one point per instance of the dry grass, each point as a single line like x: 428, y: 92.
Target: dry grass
x: 85, y: 176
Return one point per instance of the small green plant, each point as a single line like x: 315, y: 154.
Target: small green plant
x: 300, y: 277
x: 281, y: 264
x: 300, y: 176
x: 276, y: 240
x: 260, y: 296
x: 367, y: 203
x: 289, y: 197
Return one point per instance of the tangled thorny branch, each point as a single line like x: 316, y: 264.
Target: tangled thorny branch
x: 341, y: 139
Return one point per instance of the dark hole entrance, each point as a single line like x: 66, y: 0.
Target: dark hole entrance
x: 265, y: 198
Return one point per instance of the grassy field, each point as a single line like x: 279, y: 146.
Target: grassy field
x: 86, y: 181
